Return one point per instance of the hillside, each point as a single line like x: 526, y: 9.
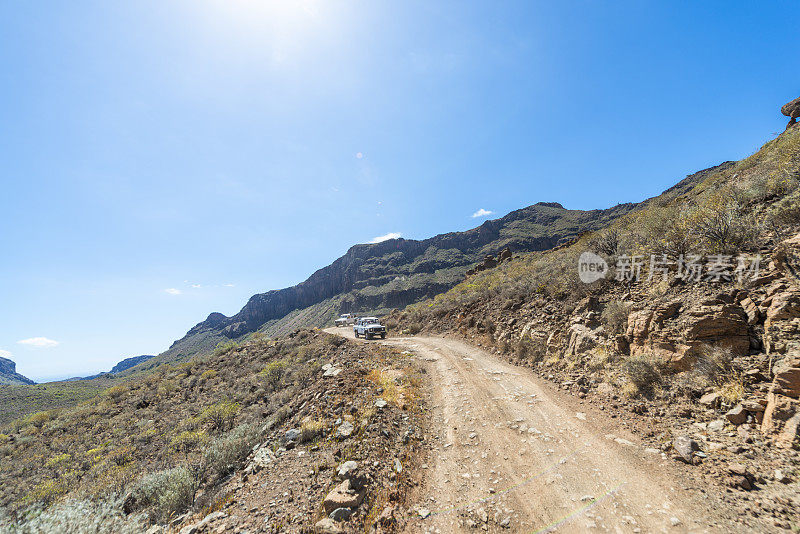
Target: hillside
x: 302, y: 415
x: 394, y: 273
x: 9, y: 374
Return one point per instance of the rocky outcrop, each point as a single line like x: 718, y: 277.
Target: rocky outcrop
x: 678, y: 332
x: 792, y: 110
x: 490, y: 262
x: 9, y: 374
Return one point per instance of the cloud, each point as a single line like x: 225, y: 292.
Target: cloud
x: 359, y: 155
x: 381, y: 238
x: 482, y: 213
x: 39, y: 342
x: 5, y: 354
x: 228, y: 285
x: 172, y: 291
x: 196, y: 286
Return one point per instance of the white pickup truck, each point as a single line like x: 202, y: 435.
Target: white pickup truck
x: 345, y: 319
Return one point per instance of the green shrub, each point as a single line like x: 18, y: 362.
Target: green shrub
x: 167, y: 493
x: 225, y: 347
x: 274, y: 372
x: 188, y: 440
x: 221, y: 415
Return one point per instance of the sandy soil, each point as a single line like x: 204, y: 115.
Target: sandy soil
x: 512, y: 454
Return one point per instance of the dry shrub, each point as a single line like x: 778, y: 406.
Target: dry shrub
x: 167, y: 493
x: 643, y: 371
x: 615, y: 317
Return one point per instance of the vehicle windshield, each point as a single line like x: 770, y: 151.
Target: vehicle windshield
x: 370, y: 320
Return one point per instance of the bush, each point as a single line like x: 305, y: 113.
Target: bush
x: 274, y: 372
x: 226, y: 452
x: 104, y: 517
x: 615, y: 317
x: 188, y: 440
x: 167, y: 493
x: 642, y: 372
x: 225, y: 347
x: 221, y: 415
x: 310, y: 430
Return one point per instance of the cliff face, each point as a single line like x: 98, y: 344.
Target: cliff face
x: 397, y: 272
x: 9, y: 374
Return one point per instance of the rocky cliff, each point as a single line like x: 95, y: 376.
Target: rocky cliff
x: 9, y: 374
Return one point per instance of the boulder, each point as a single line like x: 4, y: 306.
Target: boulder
x: 327, y: 526
x: 737, y: 415
x: 751, y: 310
x: 345, y: 430
x: 343, y: 496
x: 347, y: 470
x: 711, y: 399
x: 791, y: 109
x: 790, y: 431
x: 581, y: 339
x: 786, y: 258
x: 685, y: 448
x: 341, y: 514
x: 787, y: 377
x: 779, y: 409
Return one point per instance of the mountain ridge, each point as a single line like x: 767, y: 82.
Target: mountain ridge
x: 393, y: 273
x: 9, y: 374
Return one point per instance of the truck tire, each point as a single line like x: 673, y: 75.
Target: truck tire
x: 383, y: 335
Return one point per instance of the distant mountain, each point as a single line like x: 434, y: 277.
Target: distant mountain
x: 124, y: 365
x: 9, y: 374
x: 377, y: 277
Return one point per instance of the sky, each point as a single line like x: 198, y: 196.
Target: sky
x: 163, y: 160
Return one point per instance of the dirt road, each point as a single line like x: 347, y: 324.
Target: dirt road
x: 513, y: 454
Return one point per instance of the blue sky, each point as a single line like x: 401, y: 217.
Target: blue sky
x: 162, y: 160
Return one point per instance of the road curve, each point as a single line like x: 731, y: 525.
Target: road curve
x: 511, y: 454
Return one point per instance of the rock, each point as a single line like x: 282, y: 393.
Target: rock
x: 345, y: 430
x: 787, y: 377
x: 261, y: 459
x: 424, y: 513
x: 332, y: 372
x: 327, y: 526
x: 781, y: 477
x: 292, y: 435
x: 343, y: 496
x: 779, y: 408
x: 716, y: 426
x: 685, y: 447
x: 722, y: 325
x: 791, y: 110
x: 189, y: 529
x: 737, y: 415
x: 740, y: 477
x: 505, y: 254
x: 604, y: 388
x: 711, y: 399
x: 155, y: 529
x: 341, y: 514
x: 347, y: 470
x: 381, y: 404
x: 580, y: 339
x: 751, y: 310
x: 789, y: 433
